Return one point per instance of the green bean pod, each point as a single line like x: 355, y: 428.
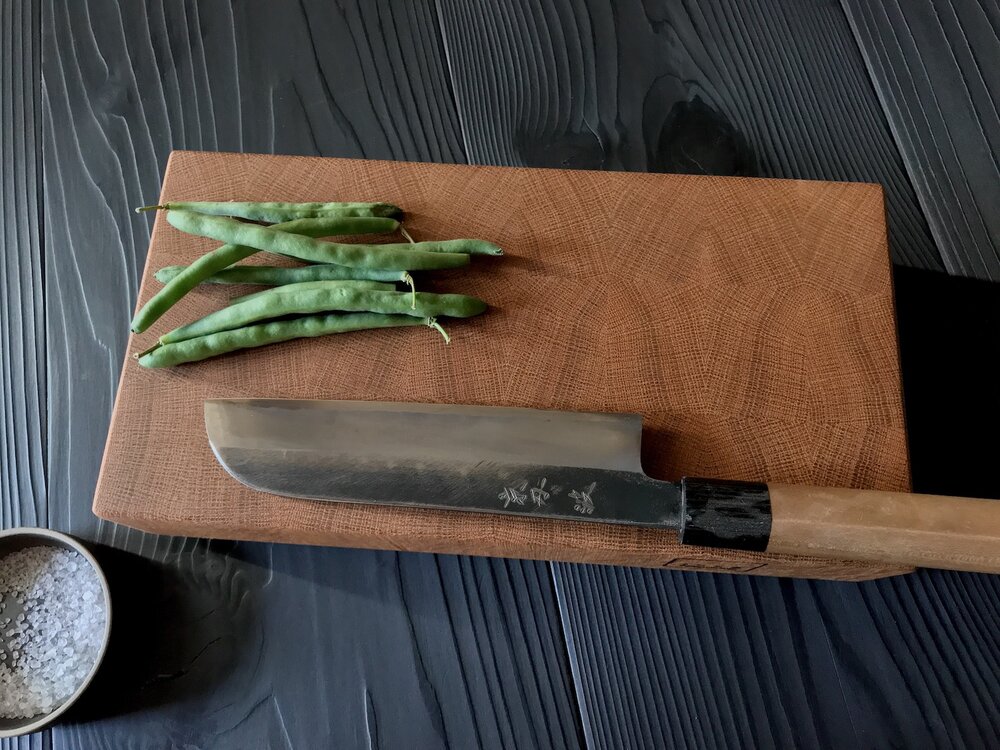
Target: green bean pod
x: 212, y: 345
x: 280, y: 276
x: 279, y: 212
x: 377, y: 286
x: 218, y: 259
x: 279, y: 303
x: 467, y: 247
x: 400, y: 257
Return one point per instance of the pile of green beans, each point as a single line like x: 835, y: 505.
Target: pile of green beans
x: 232, y: 252
x: 349, y: 287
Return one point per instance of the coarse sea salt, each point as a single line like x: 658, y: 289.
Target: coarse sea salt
x: 52, y: 620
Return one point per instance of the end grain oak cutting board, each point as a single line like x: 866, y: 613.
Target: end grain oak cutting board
x: 749, y: 321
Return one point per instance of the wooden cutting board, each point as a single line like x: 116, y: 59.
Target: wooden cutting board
x: 750, y: 322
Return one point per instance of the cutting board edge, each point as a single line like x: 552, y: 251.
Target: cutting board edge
x: 873, y: 186
x: 672, y: 555
x: 147, y: 273
x: 897, y: 351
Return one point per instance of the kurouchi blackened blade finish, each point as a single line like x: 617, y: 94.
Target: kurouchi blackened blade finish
x: 550, y: 464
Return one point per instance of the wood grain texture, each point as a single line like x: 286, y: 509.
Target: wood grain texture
x: 23, y: 497
x: 762, y: 88
x: 36, y: 741
x: 123, y: 85
x: 126, y: 82
x: 185, y: 85
x: 744, y: 662
x: 22, y: 338
x: 936, y: 67
x: 904, y: 662
x: 904, y: 528
x: 272, y: 646
x: 800, y: 94
x: 752, y: 369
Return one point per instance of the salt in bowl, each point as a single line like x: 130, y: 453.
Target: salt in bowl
x: 55, y: 621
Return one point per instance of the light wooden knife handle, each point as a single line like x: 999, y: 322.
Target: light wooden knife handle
x: 888, y: 527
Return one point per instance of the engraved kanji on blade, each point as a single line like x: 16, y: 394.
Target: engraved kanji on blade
x: 514, y: 494
x: 538, y: 494
x: 584, y: 499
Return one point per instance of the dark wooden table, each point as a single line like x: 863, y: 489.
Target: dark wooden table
x: 249, y: 645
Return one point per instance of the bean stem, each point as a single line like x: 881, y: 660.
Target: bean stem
x: 432, y: 323
x: 407, y: 279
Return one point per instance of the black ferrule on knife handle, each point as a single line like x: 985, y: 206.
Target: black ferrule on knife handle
x: 719, y: 513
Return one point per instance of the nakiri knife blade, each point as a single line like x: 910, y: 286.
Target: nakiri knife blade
x: 567, y: 465
x: 575, y: 466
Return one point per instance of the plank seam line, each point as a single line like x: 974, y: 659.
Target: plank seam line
x: 466, y: 148
x: 39, y: 128
x: 567, y: 643
x: 894, y: 128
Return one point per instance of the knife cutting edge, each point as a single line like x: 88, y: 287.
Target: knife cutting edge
x: 575, y: 466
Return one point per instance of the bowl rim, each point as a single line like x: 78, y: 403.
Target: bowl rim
x: 45, y: 719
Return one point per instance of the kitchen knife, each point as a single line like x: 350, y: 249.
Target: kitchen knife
x: 575, y: 466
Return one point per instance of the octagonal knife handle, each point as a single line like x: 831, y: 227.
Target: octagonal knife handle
x: 887, y: 527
